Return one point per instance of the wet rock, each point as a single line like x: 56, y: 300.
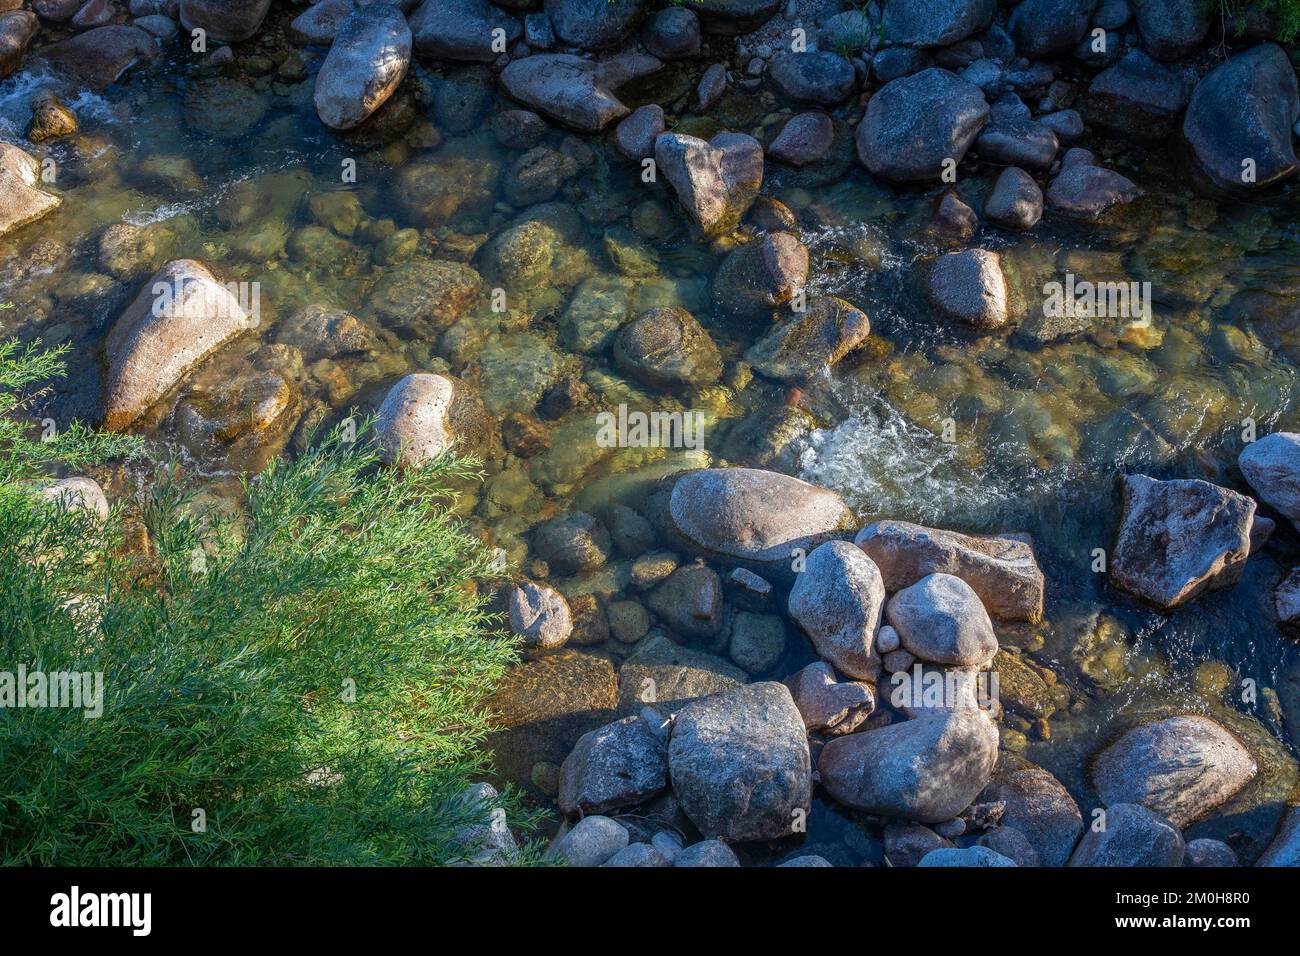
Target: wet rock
x: 838, y: 599
x: 1012, y: 844
x: 1045, y: 28
x: 1180, y: 767
x: 518, y: 129
x: 1015, y: 201
x: 1040, y: 808
x: 541, y: 616
x: 537, y: 176
x: 82, y: 494
x: 716, y: 182
x: 94, y: 13
x: 1286, y: 600
x: 231, y: 21
x: 590, y: 622
x: 828, y: 705
x: 927, y: 770
x: 1133, y: 836
x: 1179, y: 538
x: 576, y: 92
x: 594, y: 24
x: 1136, y: 97
x: 906, y: 844
x: 689, y: 602
x: 461, y: 30
x: 365, y: 64
x: 969, y: 287
x: 1205, y: 852
x: 618, y: 765
x: 940, y: 619
x: 712, y: 85
x: 21, y: 199
x: 1022, y: 687
x: 802, y: 345
x: 1018, y: 143
x: 594, y: 840
x: 672, y: 34
x: 740, y: 765
x: 1171, y: 29
x: 667, y: 347
x: 319, y: 23
x: 100, y: 56
x: 1084, y: 191
x: 916, y: 123
x: 127, y: 251
x: 1066, y: 124
x: 707, y: 853
x: 760, y: 276
x: 1285, y: 848
x: 628, y: 621
x: 751, y: 518
x: 1272, y: 467
x: 572, y: 543
x: 56, y: 11
x: 17, y: 27
x: 181, y: 316
x: 321, y: 332
x: 636, y: 134
x: 667, y: 675
x: 979, y: 856
x: 424, y: 295
x: 522, y: 255
x: 805, y: 139
x: 922, y: 24
x: 423, y: 415
x: 1244, y: 111
x: 953, y: 219
x: 818, y: 77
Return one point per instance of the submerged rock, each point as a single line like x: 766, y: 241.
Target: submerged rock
x: 667, y: 675
x: 667, y: 347
x: 367, y: 61
x: 1133, y: 836
x: 1272, y: 467
x: 928, y: 769
x: 838, y: 599
x: 715, y: 182
x: 802, y: 345
x: 21, y: 200
x: 1179, y: 538
x: 1180, y: 767
x: 571, y: 90
x: 740, y: 765
x: 615, y: 766
x: 916, y: 124
x: 1136, y: 97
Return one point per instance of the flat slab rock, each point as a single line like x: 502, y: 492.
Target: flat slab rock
x: 1179, y: 538
x: 1181, y: 768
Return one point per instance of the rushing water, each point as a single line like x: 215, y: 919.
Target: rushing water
x: 234, y: 169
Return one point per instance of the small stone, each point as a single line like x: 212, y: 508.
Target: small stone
x: 540, y: 615
x: 591, y: 842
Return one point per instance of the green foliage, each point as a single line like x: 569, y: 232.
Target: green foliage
x: 230, y: 653
x: 1233, y: 14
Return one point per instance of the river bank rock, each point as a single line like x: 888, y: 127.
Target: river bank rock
x: 636, y: 134
x: 76, y: 493
x: 940, y: 619
x: 711, y: 853
x: 916, y: 123
x: 739, y: 763
x: 540, y: 616
x: 1181, y: 768
x: 760, y: 276
x: 1171, y: 29
x: 969, y: 287
x: 978, y: 856
x: 1133, y: 836
x: 1272, y: 467
x: 1045, y: 28
x: 231, y: 21
x: 1240, y: 117
x: 750, y: 518
x: 838, y: 599
x: 319, y: 23
x: 1203, y: 852
x: 591, y: 842
x: 1015, y: 202
x: 576, y: 92
x: 928, y: 769
x: 716, y: 181
x: 669, y: 676
x: 22, y: 201
x: 594, y: 24
x: 181, y: 316
x: 733, y: 17
x: 1002, y: 570
x: 1039, y: 807
x: 805, y: 139
x: 817, y: 77
x: 1179, y: 538
x: 917, y: 23
x: 828, y: 705
x: 1018, y: 142
x: 802, y: 345
x: 1137, y: 96
x: 365, y: 64
x: 615, y: 766
x: 672, y: 33
x: 461, y: 30
x: 423, y: 415
x: 689, y: 601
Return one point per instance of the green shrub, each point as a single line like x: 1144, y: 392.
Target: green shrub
x: 308, y: 673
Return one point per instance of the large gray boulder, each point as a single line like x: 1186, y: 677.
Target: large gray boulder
x: 716, y: 181
x: 366, y: 63
x: 231, y: 21
x: 461, y: 30
x: 1272, y: 466
x: 751, y: 518
x: 1171, y: 29
x: 1039, y: 807
x: 615, y: 766
x: 925, y: 23
x: 1002, y: 569
x: 969, y: 287
x: 1240, y: 120
x: 1179, y: 767
x: 1045, y: 28
x: 22, y: 201
x: 1136, y: 96
x: 576, y: 92
x: 1133, y: 836
x: 838, y: 599
x: 740, y: 765
x: 940, y: 619
x: 594, y: 24
x: 1179, y: 538
x: 181, y: 316
x: 915, y: 123
x: 928, y: 769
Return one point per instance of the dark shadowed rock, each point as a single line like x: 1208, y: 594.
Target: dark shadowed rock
x: 922, y: 23
x: 1015, y: 202
x: 1040, y: 808
x: 915, y: 123
x: 1018, y: 143
x: 636, y: 134
x: 739, y: 763
x: 1133, y: 836
x: 837, y: 599
x: 1044, y: 28
x: 1084, y: 191
x: 710, y: 853
x: 576, y: 92
x: 594, y: 24
x: 592, y: 842
x: 819, y: 77
x: 805, y: 139
x: 1180, y: 767
x: 732, y: 17
x: 572, y: 542
x: 689, y: 602
x: 669, y: 676
x: 17, y: 28
x: 1272, y: 466
x: 615, y: 766
x: 1136, y: 97
x: 1285, y: 848
x: 1205, y: 852
x: 1012, y: 844
x: 1179, y: 538
x: 906, y: 844
x: 672, y: 33
x: 232, y: 21
x: 978, y: 856
x: 461, y: 30
x: 1171, y: 29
